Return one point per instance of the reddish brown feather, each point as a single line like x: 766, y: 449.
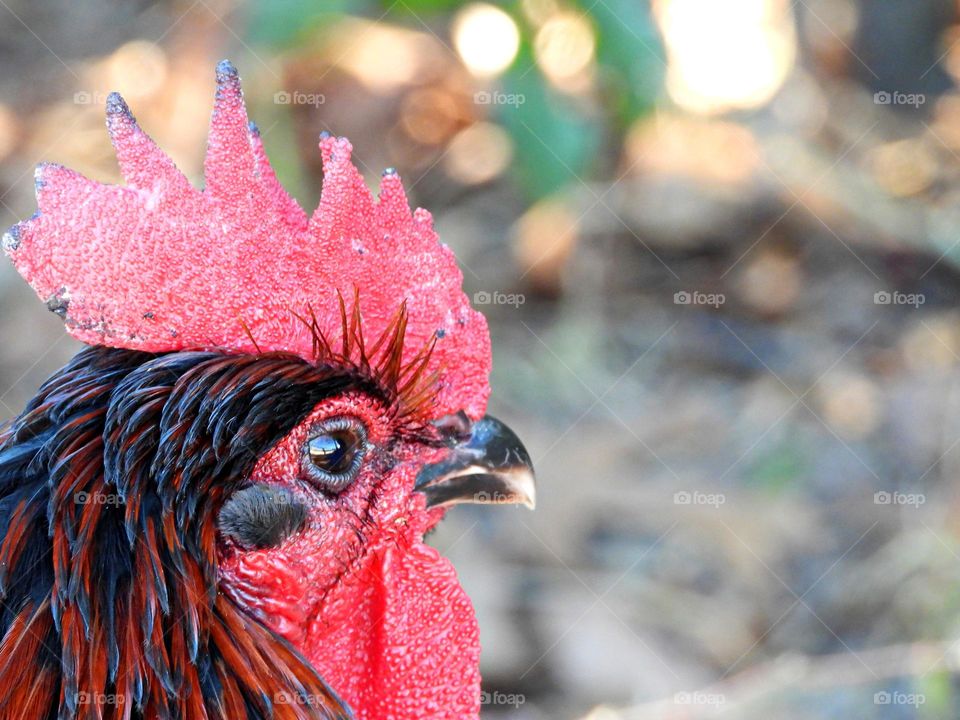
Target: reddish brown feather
x: 23, y: 689
x: 43, y: 667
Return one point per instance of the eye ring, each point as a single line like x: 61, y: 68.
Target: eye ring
x: 333, y: 453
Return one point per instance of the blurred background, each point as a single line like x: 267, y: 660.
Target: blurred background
x: 718, y: 247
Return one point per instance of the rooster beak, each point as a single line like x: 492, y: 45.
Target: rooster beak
x: 486, y: 464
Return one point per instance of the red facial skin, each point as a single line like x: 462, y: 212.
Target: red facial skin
x: 379, y: 614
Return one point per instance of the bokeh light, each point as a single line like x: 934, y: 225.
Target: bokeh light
x: 903, y: 167
x: 539, y: 11
x: 486, y: 38
x: 479, y: 154
x: 729, y: 55
x: 380, y: 56
x: 707, y: 149
x: 564, y: 48
x: 851, y: 404
x: 431, y: 115
x: 546, y: 236
x: 137, y: 69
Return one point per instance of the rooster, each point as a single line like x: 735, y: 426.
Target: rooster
x: 217, y: 509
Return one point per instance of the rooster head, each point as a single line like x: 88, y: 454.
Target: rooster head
x: 298, y: 400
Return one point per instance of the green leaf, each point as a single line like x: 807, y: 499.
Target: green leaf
x: 631, y: 53
x: 281, y: 23
x: 420, y: 7
x: 778, y: 469
x: 937, y: 695
x: 556, y: 140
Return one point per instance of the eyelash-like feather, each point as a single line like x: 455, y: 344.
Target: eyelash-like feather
x: 410, y: 390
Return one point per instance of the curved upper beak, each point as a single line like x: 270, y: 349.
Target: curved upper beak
x: 486, y: 463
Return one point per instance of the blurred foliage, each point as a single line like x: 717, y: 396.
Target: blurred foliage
x: 778, y: 470
x: 556, y: 140
x: 556, y: 133
x: 937, y: 690
x: 631, y: 51
x: 285, y: 23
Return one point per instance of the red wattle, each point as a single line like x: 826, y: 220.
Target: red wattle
x: 398, y: 638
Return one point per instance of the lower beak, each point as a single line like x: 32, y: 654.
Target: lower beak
x: 490, y: 466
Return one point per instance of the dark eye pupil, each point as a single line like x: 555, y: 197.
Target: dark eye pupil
x: 332, y: 453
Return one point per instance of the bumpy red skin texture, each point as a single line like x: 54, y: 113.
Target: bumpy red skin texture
x: 379, y: 614
x: 420, y: 658
x: 159, y: 265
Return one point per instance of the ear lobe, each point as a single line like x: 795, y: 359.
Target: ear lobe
x: 261, y: 516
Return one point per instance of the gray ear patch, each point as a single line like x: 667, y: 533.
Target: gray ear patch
x: 261, y: 516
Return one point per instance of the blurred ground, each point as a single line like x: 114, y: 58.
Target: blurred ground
x: 717, y: 244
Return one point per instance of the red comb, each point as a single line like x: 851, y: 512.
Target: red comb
x: 160, y: 266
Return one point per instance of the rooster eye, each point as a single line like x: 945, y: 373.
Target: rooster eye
x: 334, y: 452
